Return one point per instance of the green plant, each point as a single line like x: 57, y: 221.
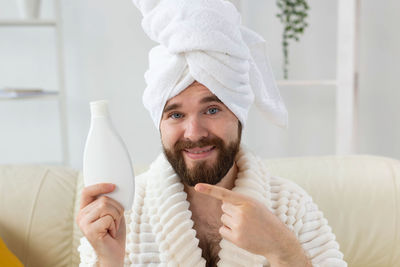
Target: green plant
x: 292, y: 15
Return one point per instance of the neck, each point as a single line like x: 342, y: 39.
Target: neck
x: 228, y: 181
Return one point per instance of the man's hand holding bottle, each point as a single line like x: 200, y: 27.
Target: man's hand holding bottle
x: 101, y: 220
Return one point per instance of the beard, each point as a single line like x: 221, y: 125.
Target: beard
x: 202, y: 172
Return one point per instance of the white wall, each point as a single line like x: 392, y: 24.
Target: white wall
x: 106, y: 57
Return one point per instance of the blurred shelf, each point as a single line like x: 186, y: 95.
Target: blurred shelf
x: 28, y: 22
x: 38, y: 97
x: 58, y: 94
x: 307, y: 83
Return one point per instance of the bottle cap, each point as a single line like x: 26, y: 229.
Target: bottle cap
x: 99, y: 108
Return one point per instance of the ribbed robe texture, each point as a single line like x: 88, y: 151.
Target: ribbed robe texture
x: 160, y: 230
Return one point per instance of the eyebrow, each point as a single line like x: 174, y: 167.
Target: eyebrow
x: 211, y: 98
x: 207, y: 99
x: 171, y: 107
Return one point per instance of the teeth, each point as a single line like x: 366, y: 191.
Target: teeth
x: 198, y: 152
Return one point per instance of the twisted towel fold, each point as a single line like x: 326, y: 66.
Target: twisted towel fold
x: 203, y: 40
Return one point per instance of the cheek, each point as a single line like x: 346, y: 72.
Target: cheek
x: 168, y: 136
x: 229, y: 132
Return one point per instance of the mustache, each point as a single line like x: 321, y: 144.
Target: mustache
x: 186, y: 144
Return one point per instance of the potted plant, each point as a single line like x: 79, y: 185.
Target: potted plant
x: 293, y: 14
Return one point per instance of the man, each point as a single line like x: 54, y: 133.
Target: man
x: 206, y: 201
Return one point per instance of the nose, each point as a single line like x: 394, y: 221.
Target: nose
x: 195, y: 130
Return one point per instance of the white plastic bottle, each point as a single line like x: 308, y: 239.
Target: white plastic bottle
x: 106, y: 158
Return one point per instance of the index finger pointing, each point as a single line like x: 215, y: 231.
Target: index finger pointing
x: 91, y: 192
x: 219, y: 193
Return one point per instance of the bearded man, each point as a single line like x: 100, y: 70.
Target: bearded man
x: 206, y: 201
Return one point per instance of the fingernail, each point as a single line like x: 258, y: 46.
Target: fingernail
x: 199, y: 187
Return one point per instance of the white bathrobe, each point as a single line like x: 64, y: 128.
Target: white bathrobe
x: 160, y: 230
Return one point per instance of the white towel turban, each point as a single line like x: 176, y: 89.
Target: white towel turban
x: 204, y: 41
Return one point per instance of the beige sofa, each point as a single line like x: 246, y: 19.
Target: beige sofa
x: 359, y: 195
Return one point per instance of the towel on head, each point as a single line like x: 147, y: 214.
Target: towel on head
x: 204, y: 41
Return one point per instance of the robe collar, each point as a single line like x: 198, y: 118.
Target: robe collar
x: 171, y: 218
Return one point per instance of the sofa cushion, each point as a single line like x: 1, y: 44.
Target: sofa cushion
x: 360, y: 197
x: 37, y: 207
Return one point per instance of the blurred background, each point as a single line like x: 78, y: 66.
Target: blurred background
x: 96, y: 49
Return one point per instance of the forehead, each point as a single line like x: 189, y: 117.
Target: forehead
x: 193, y: 93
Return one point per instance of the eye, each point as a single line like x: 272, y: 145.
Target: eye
x: 212, y: 110
x: 175, y: 115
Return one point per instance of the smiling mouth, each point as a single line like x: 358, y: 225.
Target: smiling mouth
x: 199, y: 152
